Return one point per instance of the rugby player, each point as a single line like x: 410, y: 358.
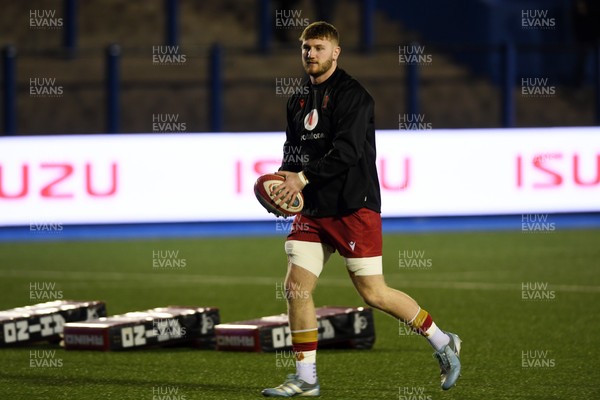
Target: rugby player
x: 331, y: 124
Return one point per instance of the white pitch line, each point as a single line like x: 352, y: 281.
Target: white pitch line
x: 157, y: 276
x: 175, y: 277
x: 499, y: 286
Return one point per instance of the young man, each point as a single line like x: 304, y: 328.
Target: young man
x: 331, y: 125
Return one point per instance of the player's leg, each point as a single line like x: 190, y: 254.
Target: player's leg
x: 305, y: 263
x: 358, y: 238
x: 299, y: 286
x: 401, y: 306
x: 377, y: 294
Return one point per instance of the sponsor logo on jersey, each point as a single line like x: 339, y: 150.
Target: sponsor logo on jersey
x: 311, y: 120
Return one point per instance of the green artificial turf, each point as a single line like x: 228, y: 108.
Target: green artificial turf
x: 470, y: 282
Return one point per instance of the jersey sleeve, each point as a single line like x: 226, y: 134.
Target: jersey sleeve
x: 288, y: 163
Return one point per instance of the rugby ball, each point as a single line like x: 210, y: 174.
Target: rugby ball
x: 262, y: 190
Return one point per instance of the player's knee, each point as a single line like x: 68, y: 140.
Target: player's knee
x: 365, y: 266
x: 307, y: 255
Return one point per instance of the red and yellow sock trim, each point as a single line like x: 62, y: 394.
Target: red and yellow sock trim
x: 421, y: 322
x: 305, y: 340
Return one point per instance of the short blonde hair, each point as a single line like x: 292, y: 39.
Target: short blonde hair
x: 321, y: 30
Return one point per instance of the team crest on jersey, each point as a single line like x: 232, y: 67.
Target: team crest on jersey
x: 311, y: 120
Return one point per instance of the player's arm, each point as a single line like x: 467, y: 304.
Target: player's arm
x: 290, y: 168
x: 294, y: 181
x: 288, y: 163
x: 291, y: 142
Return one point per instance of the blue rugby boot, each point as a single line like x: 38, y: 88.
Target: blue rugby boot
x: 449, y: 360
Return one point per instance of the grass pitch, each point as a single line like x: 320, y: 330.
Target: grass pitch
x: 525, y: 304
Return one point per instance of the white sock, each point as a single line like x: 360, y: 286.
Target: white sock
x: 436, y: 337
x: 306, y: 369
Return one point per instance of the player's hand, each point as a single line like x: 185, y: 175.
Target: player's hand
x: 288, y: 190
